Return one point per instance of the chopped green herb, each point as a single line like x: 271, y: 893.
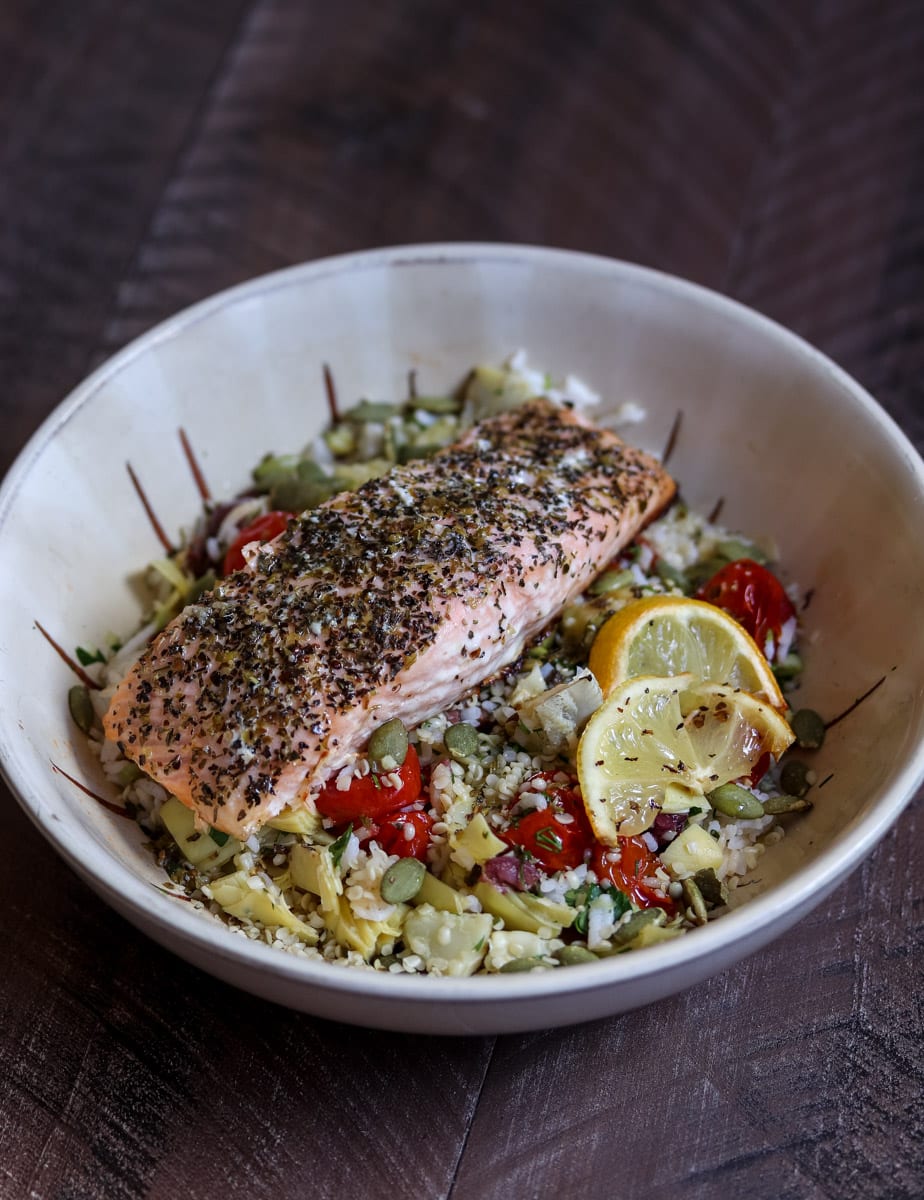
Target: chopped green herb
x: 85, y: 657
x: 548, y: 838
x: 337, y: 848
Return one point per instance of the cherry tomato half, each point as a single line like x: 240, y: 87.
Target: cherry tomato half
x: 626, y: 867
x: 263, y: 529
x: 754, y: 597
x: 761, y: 767
x: 393, y: 834
x: 369, y: 795
x: 558, y: 845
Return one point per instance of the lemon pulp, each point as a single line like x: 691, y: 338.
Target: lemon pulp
x: 653, y: 733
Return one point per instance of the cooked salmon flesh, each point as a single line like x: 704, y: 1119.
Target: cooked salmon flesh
x: 391, y: 601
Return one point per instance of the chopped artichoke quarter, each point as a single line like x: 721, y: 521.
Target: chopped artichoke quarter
x: 449, y: 943
x: 197, y: 847
x: 553, y: 720
x: 236, y: 896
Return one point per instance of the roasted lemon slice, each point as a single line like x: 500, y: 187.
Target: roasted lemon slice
x: 652, y: 732
x: 670, y: 635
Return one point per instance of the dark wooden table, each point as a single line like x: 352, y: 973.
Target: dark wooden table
x: 153, y: 151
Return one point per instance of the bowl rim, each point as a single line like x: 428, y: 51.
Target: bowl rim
x: 130, y: 894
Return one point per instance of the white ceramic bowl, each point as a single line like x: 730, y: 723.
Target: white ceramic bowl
x: 796, y: 448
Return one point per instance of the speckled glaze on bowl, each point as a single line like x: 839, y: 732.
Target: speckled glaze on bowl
x: 241, y: 373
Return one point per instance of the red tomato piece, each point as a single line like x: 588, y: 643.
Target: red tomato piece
x: 754, y: 597
x: 369, y: 796
x: 393, y: 834
x: 626, y: 867
x: 761, y: 767
x: 556, y: 845
x: 263, y: 529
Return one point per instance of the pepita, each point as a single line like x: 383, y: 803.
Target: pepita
x: 81, y: 708
x: 389, y: 741
x: 572, y: 956
x: 735, y: 801
x: 636, y: 923
x: 523, y: 964
x: 712, y: 889
x: 461, y: 741
x: 402, y: 880
x: 794, y: 778
x: 611, y: 581
x: 809, y: 728
x: 777, y: 806
x: 693, y: 897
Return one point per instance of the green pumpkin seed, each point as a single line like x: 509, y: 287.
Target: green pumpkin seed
x: 636, y: 923
x: 541, y: 650
x: 777, y: 806
x: 462, y: 741
x: 441, y: 405
x: 809, y: 728
x: 522, y: 964
x: 695, y: 901
x: 388, y: 741
x: 296, y: 494
x: 794, y: 777
x: 734, y: 549
x: 373, y: 410
x: 712, y: 889
x: 204, y: 583
x: 128, y: 773
x: 408, y: 452
x: 273, y: 469
x: 788, y: 667
x: 704, y: 570
x: 341, y: 440
x: 672, y: 575
x: 574, y: 955
x: 81, y: 707
x: 735, y: 801
x: 611, y: 581
x: 402, y: 880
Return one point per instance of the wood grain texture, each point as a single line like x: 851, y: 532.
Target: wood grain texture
x: 96, y: 105
x: 153, y: 152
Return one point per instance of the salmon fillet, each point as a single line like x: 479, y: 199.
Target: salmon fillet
x: 392, y: 601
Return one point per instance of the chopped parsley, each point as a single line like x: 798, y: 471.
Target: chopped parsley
x: 337, y: 848
x: 86, y: 657
x: 549, y: 838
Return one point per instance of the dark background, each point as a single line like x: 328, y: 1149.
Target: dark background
x: 153, y: 151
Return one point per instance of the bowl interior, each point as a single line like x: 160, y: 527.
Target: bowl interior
x: 794, y: 448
